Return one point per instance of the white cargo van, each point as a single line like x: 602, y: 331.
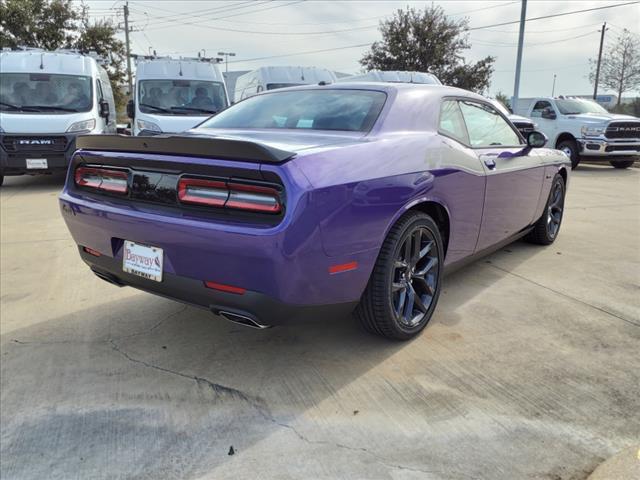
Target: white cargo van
x: 46, y: 100
x: 393, y: 76
x: 270, y: 78
x: 174, y: 95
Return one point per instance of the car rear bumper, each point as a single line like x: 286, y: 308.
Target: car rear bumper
x: 13, y: 157
x: 608, y: 148
x: 251, y: 308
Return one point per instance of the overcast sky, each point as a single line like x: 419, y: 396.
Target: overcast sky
x: 265, y: 28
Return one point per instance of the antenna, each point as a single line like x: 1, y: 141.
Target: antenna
x: 42, y: 61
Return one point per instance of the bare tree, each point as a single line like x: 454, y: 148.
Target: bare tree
x: 620, y: 67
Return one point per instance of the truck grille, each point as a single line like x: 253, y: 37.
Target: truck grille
x: 623, y: 130
x: 34, y: 143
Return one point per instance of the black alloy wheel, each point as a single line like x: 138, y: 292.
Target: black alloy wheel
x: 415, y: 277
x: 546, y: 229
x: 404, y: 286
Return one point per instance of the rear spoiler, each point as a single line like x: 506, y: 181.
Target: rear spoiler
x: 188, y: 145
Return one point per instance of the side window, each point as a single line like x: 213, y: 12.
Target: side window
x: 451, y: 122
x: 539, y: 107
x: 486, y: 127
x: 99, y: 92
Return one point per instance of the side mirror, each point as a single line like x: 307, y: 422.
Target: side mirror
x: 549, y: 114
x: 103, y: 109
x: 131, y: 111
x: 536, y: 139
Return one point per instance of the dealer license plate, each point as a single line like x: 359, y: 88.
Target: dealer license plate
x: 37, y: 163
x: 142, y: 260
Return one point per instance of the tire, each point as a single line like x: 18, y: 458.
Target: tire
x: 621, y: 163
x: 386, y: 307
x: 1, y: 180
x: 570, y: 147
x: 546, y: 229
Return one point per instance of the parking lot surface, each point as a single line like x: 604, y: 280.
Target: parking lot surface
x: 530, y: 368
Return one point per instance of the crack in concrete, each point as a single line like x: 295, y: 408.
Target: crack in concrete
x: 600, y: 309
x: 259, y: 405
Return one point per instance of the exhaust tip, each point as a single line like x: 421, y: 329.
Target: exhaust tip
x: 243, y: 320
x: 112, y: 279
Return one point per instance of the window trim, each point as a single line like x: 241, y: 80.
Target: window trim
x: 459, y: 98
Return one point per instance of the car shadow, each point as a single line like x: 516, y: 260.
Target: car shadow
x: 183, y: 385
x: 33, y: 183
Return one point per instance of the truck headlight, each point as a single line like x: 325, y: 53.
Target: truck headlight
x: 83, y: 126
x: 144, y: 125
x: 589, y: 131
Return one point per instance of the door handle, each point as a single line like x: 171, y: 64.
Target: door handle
x: 489, y: 160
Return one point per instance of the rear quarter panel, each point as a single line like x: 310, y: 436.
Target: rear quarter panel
x: 361, y: 190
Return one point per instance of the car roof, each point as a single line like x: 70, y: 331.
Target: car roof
x: 426, y: 89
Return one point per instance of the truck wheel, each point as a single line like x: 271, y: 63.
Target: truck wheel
x: 621, y: 163
x: 404, y: 286
x: 546, y: 229
x: 570, y: 147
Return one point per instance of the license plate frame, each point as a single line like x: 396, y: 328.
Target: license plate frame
x: 144, y: 261
x: 36, y: 163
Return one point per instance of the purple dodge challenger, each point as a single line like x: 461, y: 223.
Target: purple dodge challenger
x: 314, y: 201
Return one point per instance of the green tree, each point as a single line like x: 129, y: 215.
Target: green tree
x: 620, y: 67
x: 428, y: 41
x: 54, y: 24
x: 504, y: 100
x: 47, y: 24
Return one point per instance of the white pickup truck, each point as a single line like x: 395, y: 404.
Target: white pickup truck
x: 583, y: 129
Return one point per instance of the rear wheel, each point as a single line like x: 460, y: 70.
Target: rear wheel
x: 621, y: 163
x: 570, y: 148
x: 1, y: 180
x: 546, y: 229
x: 404, y: 287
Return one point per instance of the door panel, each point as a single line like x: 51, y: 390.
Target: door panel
x: 513, y: 180
x: 512, y: 193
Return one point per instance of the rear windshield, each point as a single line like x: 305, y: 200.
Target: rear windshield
x: 326, y: 109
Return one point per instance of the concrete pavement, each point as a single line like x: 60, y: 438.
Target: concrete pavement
x: 529, y: 370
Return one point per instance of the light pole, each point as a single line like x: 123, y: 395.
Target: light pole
x: 226, y: 59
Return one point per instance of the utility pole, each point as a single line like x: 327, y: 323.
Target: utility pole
x: 226, y: 57
x: 595, y: 87
x: 553, y: 89
x: 516, y: 86
x: 126, y: 36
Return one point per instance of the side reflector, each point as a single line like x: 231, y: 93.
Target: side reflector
x: 343, y: 267
x: 91, y: 251
x: 114, y: 181
x: 225, y: 288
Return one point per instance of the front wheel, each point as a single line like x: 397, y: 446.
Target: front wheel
x: 621, y: 163
x: 1, y: 180
x: 570, y: 148
x: 404, y: 287
x: 546, y: 229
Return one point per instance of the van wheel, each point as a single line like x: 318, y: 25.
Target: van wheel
x: 570, y: 148
x: 621, y: 163
x: 1, y: 180
x: 404, y: 287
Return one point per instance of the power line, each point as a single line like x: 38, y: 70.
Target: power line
x: 198, y: 24
x: 198, y: 13
x: 475, y: 28
x: 500, y: 44
x: 555, y: 15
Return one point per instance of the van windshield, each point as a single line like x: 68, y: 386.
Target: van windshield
x: 45, y: 92
x: 181, y: 97
x: 326, y: 109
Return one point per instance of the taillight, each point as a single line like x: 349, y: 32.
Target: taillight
x: 241, y: 196
x: 253, y: 197
x: 204, y: 192
x: 114, y: 181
